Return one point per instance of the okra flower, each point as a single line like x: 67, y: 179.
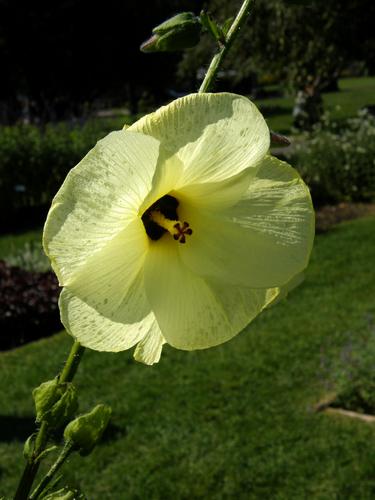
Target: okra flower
x: 179, y: 229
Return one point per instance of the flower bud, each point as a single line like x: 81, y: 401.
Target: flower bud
x: 55, y: 403
x: 177, y: 33
x: 85, y: 431
x: 278, y: 140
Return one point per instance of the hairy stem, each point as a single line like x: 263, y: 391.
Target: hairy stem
x: 224, y: 47
x: 32, y: 464
x: 65, y: 452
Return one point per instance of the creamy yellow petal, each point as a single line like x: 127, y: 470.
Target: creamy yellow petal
x: 98, y: 199
x: 216, y: 196
x: 118, y: 331
x: 168, y: 172
x: 148, y: 350
x: 215, y: 135
x: 106, y: 278
x: 262, y: 241
x: 193, y: 313
x: 287, y: 288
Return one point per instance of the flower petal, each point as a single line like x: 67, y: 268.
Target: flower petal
x: 263, y: 241
x: 217, y: 196
x: 106, y: 278
x: 193, y: 313
x: 98, y: 199
x: 215, y: 135
x: 149, y: 349
x: 121, y: 330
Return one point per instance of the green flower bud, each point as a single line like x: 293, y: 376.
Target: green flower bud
x: 55, y: 403
x: 85, y: 431
x: 177, y: 33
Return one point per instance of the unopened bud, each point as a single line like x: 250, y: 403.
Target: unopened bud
x: 279, y: 140
x: 85, y: 431
x: 55, y: 402
x: 177, y: 33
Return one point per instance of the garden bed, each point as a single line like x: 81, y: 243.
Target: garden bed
x: 328, y: 216
x: 28, y: 305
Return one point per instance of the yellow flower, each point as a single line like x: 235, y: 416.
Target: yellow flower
x: 180, y: 229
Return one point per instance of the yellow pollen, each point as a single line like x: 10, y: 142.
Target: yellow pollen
x: 175, y: 228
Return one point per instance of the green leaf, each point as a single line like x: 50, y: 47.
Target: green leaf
x: 64, y: 494
x: 212, y: 27
x: 28, y: 448
x: 46, y: 451
x: 227, y: 24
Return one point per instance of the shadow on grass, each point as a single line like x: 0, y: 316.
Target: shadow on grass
x: 112, y: 433
x: 20, y: 428
x: 16, y: 428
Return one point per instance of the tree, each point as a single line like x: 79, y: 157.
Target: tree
x: 305, y: 47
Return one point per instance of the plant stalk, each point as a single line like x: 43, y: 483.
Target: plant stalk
x: 217, y: 60
x: 32, y: 465
x: 65, y: 452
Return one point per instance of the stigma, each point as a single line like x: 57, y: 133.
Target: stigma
x: 179, y: 230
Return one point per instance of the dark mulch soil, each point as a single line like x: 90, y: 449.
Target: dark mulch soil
x: 28, y: 305
x: 329, y: 215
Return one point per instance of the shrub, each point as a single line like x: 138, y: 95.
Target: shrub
x: 34, y: 161
x: 337, y: 160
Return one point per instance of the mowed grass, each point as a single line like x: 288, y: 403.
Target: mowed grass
x: 353, y: 94
x: 232, y: 422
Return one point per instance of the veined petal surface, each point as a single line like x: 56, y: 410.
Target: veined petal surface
x: 95, y: 330
x: 114, y: 275
x: 193, y: 313
x: 215, y: 135
x: 148, y: 350
x: 98, y: 199
x: 216, y: 196
x: 260, y: 242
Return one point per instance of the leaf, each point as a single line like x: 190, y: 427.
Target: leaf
x: 212, y: 27
x: 227, y: 24
x: 46, y: 451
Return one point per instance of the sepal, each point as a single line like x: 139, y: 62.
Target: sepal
x: 55, y: 402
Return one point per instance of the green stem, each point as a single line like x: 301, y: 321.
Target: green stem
x: 32, y: 465
x: 65, y: 452
x: 71, y: 364
x: 229, y: 39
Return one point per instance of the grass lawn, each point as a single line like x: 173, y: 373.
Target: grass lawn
x: 12, y: 243
x: 233, y: 422
x: 354, y: 94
